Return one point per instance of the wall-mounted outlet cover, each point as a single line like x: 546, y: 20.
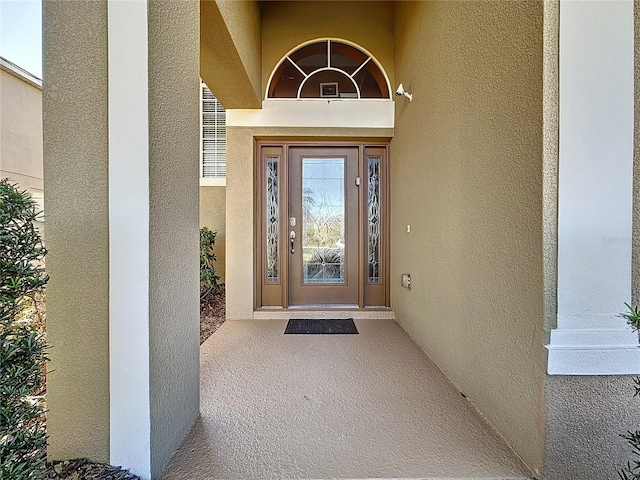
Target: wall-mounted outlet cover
x: 406, y: 280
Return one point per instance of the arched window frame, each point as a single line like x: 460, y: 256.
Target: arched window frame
x: 370, y: 58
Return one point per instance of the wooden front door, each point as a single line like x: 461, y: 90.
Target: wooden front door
x: 323, y: 225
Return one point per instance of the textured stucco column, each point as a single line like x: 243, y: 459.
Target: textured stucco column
x: 76, y: 194
x: 121, y: 140
x: 595, y: 191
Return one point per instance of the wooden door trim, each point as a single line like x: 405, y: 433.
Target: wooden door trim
x: 361, y: 235
x: 285, y: 227
x: 376, y: 293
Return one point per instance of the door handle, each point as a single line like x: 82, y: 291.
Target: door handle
x: 292, y: 236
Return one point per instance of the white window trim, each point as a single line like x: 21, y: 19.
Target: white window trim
x: 201, y: 98
x: 213, y: 181
x: 366, y: 113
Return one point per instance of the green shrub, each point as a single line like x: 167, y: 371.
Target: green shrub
x: 208, y: 277
x: 22, y: 351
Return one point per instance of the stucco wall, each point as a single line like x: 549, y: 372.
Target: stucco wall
x: 585, y: 416
x: 230, y: 51
x: 635, y: 246
x: 466, y: 174
x: 21, y: 132
x: 285, y: 25
x: 239, y: 224
x: 76, y: 186
x: 242, y: 20
x: 174, y: 320
x: 213, y: 216
x: 550, y: 161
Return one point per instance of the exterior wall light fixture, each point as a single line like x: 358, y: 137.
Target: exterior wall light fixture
x: 400, y: 92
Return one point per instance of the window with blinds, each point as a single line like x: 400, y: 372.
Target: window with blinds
x: 214, y: 136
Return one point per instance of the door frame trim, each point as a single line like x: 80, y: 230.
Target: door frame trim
x: 283, y: 144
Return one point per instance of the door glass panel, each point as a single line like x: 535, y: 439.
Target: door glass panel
x: 323, y: 220
x: 374, y: 219
x: 272, y: 202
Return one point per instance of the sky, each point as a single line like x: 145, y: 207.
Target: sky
x: 21, y: 34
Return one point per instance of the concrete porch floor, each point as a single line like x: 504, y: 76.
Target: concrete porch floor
x: 372, y: 405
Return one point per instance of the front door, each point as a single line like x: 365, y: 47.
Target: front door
x: 322, y: 229
x: 323, y: 225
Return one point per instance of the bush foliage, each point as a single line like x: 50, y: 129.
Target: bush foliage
x: 22, y: 350
x: 208, y: 277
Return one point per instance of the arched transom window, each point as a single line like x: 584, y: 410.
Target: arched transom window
x: 328, y: 69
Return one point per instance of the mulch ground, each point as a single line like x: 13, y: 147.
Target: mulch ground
x: 212, y: 315
x: 84, y: 469
x: 212, y: 311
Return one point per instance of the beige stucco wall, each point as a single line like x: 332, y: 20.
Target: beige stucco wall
x: 240, y: 234
x: 466, y: 174
x: 213, y: 216
x: 21, y: 132
x: 230, y: 51
x: 635, y: 239
x: 76, y: 186
x: 585, y: 416
x: 174, y: 319
x: 285, y: 25
x: 243, y: 21
x: 551, y: 142
x: 239, y: 224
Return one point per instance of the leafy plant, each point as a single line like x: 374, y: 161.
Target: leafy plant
x: 631, y: 471
x: 632, y: 317
x: 208, y: 278
x: 22, y: 350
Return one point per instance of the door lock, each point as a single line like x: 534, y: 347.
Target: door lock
x: 292, y: 236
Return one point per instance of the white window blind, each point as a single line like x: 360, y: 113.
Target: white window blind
x: 214, y: 136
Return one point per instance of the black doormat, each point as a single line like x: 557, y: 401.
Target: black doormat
x: 321, y: 326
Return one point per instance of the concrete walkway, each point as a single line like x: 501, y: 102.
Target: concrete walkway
x: 372, y: 405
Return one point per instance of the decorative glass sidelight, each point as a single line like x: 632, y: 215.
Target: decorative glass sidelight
x: 374, y: 219
x: 273, y: 218
x: 323, y: 221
